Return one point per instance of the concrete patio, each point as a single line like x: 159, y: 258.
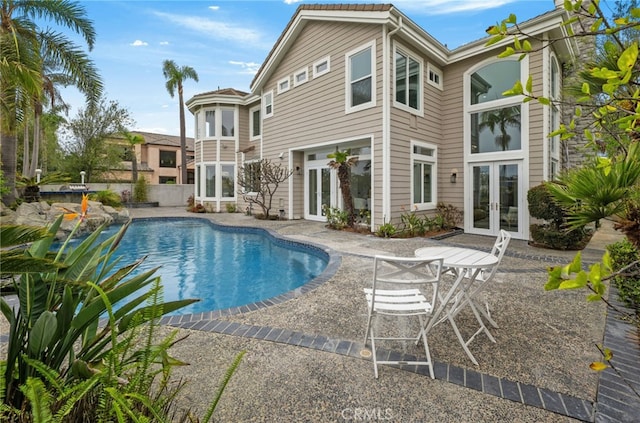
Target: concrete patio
x: 303, y: 359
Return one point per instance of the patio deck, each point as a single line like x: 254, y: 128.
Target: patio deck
x: 303, y: 359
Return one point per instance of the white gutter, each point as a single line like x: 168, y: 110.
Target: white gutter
x: 386, y: 127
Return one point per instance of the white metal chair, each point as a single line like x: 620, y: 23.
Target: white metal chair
x: 482, y: 278
x: 402, y: 287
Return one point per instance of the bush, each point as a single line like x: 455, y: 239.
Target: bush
x: 451, y: 215
x: 553, y: 234
x: 623, y: 253
x: 107, y: 197
x: 386, y: 230
x: 140, y: 191
x: 336, y: 218
x: 231, y: 207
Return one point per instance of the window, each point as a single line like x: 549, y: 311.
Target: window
x: 434, y: 76
x: 283, y: 85
x: 554, y: 118
x: 408, y: 81
x: 495, y: 119
x: 210, y: 182
x: 167, y: 158
x: 255, y: 124
x: 423, y: 159
x: 198, y: 184
x: 210, y: 123
x: 252, y: 176
x: 228, y: 123
x: 228, y: 180
x: 197, y: 125
x: 300, y: 77
x: 321, y: 67
x: 267, y: 103
x: 360, y: 78
x: 167, y: 180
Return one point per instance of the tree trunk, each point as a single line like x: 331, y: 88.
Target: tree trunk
x: 37, y: 136
x: 8, y: 146
x: 183, y: 139
x: 344, y: 175
x: 134, y: 165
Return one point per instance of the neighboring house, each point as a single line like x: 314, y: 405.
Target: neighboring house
x: 428, y: 124
x: 158, y: 159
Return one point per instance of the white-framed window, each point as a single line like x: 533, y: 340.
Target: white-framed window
x: 255, y: 123
x: 424, y: 164
x: 196, y: 124
x: 228, y: 123
x: 408, y: 81
x: 252, y: 176
x: 434, y: 76
x: 227, y: 180
x: 219, y: 178
x: 283, y: 85
x: 267, y: 104
x: 209, y: 123
x: 210, y: 179
x: 321, y: 67
x: 496, y: 119
x: 360, y: 78
x: 300, y: 77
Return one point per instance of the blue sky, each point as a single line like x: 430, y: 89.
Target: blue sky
x: 226, y: 41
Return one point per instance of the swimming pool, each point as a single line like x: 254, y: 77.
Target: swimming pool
x: 225, y: 267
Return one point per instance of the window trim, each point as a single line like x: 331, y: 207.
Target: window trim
x: 269, y: 94
x: 314, y: 71
x: 286, y: 80
x: 433, y: 161
x: 175, y: 159
x: 304, y: 71
x: 205, y: 133
x: 235, y: 131
x: 398, y: 49
x: 436, y: 71
x: 252, y: 110
x: 371, y: 103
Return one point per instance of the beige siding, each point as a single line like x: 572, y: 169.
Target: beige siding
x: 537, y: 137
x: 314, y: 112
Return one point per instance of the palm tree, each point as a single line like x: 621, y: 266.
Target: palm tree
x: 501, y: 118
x: 25, y: 47
x: 175, y: 76
x: 343, y: 163
x: 133, y: 140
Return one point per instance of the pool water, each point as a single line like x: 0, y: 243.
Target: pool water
x: 222, y: 266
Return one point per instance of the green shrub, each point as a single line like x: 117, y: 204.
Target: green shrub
x: 141, y: 190
x: 553, y: 234
x: 386, y: 230
x: 623, y: 253
x: 413, y: 225
x: 107, y: 197
x: 336, y: 218
x: 231, y: 207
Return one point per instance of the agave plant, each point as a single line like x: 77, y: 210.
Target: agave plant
x: 62, y: 297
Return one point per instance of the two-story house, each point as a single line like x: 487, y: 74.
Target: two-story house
x: 158, y: 159
x: 428, y: 124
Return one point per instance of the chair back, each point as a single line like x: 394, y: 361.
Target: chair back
x: 500, y: 246
x: 402, y: 272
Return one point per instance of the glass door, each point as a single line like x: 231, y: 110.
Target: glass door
x: 496, y: 198
x: 318, y: 192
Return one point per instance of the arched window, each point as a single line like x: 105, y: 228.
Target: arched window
x: 495, y: 118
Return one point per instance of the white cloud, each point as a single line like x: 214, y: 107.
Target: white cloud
x: 214, y: 7
x: 139, y: 43
x: 444, y: 7
x: 292, y: 1
x: 247, y: 67
x: 164, y: 43
x: 215, y: 29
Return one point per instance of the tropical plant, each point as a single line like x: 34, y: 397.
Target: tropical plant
x: 175, y: 76
x: 29, y: 187
x: 386, y: 230
x: 609, y: 93
x: 25, y: 47
x: 342, y: 162
x: 336, y: 218
x: 107, y: 197
x: 133, y: 140
x: 259, y: 181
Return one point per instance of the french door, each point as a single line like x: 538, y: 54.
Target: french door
x: 495, y: 200
x: 318, y: 190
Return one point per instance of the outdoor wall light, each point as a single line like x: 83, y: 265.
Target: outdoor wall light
x: 454, y: 175
x: 38, y: 173
x: 82, y: 173
x: 298, y: 171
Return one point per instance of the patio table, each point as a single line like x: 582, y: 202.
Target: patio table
x: 465, y: 264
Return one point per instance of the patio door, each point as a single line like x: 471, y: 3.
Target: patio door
x: 318, y: 191
x: 495, y: 200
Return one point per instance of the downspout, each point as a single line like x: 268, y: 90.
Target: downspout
x: 386, y: 129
